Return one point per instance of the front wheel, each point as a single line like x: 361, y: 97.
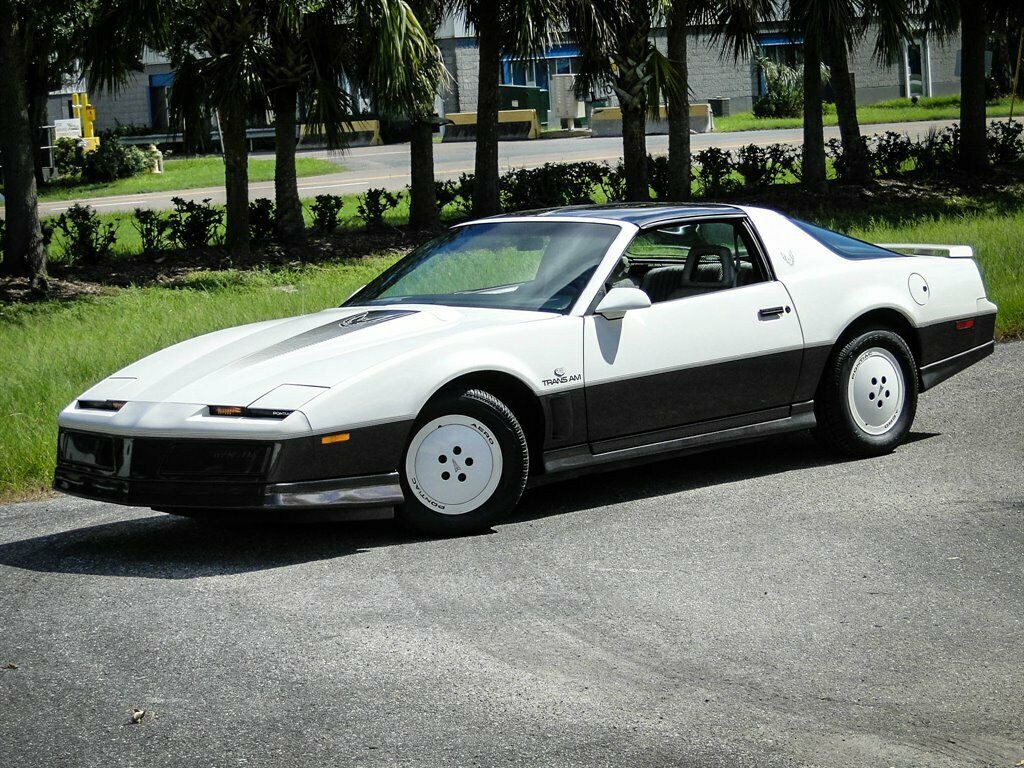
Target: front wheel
x: 868, y: 396
x: 466, y: 465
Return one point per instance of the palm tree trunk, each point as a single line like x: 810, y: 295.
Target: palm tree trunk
x: 858, y: 169
x: 973, y: 27
x: 291, y: 228
x: 485, y: 190
x: 634, y: 152
x: 24, y: 254
x: 679, y: 109
x: 236, y: 178
x: 814, y: 131
x: 423, y: 212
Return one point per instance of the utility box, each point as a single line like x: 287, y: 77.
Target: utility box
x: 565, y: 106
x: 720, y: 107
x: 511, y: 97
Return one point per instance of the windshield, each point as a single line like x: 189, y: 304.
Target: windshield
x: 540, y: 266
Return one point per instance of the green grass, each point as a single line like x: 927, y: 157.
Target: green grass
x: 184, y: 173
x: 893, y: 111
x: 50, y: 352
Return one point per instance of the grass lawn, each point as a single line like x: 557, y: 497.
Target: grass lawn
x: 184, y: 173
x: 894, y: 111
x: 52, y: 351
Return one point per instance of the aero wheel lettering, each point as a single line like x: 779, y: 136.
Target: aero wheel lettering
x: 875, y: 391
x: 454, y: 464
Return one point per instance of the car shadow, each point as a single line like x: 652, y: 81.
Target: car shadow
x: 167, y: 547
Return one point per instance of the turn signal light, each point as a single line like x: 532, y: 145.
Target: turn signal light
x: 249, y: 413
x: 339, y: 438
x: 963, y: 325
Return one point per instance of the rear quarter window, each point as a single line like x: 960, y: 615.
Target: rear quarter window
x: 844, y: 245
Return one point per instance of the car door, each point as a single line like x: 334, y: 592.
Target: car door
x: 720, y: 345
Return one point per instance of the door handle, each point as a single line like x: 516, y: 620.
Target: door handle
x: 770, y: 312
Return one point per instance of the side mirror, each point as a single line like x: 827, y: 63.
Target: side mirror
x: 618, y: 301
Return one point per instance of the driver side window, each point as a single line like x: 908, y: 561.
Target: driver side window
x: 689, y: 259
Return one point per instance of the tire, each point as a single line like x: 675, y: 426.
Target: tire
x: 867, y: 398
x: 465, y: 466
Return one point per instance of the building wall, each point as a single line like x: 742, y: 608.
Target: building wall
x: 130, y: 104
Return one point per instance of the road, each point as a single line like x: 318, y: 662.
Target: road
x: 388, y: 166
x: 756, y: 606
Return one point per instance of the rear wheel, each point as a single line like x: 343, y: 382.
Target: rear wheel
x: 868, y: 397
x: 466, y: 465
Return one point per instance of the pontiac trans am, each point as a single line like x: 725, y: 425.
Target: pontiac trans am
x: 516, y: 349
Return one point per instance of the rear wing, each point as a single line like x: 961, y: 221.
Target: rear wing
x: 929, y: 249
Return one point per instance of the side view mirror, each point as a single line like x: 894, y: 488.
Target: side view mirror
x: 618, y: 301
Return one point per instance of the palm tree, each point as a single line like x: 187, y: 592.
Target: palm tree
x: 616, y: 50
x: 734, y: 22
x: 23, y: 253
x: 836, y: 26
x: 516, y: 27
x: 976, y: 19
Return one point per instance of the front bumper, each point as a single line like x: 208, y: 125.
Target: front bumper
x: 200, y: 474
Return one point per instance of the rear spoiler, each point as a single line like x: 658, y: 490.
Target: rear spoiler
x: 929, y: 249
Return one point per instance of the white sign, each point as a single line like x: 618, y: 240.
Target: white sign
x: 67, y: 129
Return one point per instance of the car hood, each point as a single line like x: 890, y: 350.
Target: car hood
x: 239, y: 366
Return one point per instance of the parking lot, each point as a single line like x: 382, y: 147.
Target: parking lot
x: 757, y: 606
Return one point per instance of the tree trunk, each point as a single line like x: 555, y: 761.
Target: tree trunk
x: 679, y: 109
x: 38, y: 94
x: 485, y: 189
x: 634, y: 151
x: 236, y: 178
x: 291, y: 227
x: 24, y: 254
x: 973, y: 26
x: 814, y: 131
x: 423, y: 213
x: 858, y: 167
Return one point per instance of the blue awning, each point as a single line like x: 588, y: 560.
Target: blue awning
x: 554, y: 52
x: 155, y: 81
x: 778, y: 39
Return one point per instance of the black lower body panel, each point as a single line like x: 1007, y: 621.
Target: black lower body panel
x: 939, y: 371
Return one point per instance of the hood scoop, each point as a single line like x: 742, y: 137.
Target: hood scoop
x: 321, y: 333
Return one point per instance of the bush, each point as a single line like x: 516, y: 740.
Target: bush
x: 194, y: 225
x: 445, y: 193
x: 714, y: 171
x: 86, y: 238
x: 550, y: 185
x: 325, y: 210
x: 938, y: 152
x: 1004, y: 142
x: 613, y: 182
x: 68, y: 157
x: 152, y: 229
x: 840, y: 162
x: 374, y: 205
x: 464, y: 194
x: 658, y: 176
x: 763, y: 165
x: 890, y: 153
x: 261, y: 220
x: 784, y: 90
x: 113, y: 160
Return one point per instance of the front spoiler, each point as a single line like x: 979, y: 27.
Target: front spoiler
x: 363, y: 492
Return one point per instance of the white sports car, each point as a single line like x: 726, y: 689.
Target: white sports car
x: 521, y: 348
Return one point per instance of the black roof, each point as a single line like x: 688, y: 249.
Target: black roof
x: 640, y: 214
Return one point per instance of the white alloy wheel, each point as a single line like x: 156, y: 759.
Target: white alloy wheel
x: 876, y: 391
x: 453, y: 464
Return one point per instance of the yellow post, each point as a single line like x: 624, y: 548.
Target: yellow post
x: 88, y: 119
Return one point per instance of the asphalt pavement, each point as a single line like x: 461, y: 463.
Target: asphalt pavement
x: 388, y: 166
x: 764, y: 605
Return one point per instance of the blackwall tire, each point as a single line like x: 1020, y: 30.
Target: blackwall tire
x: 867, y: 400
x: 465, y: 466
